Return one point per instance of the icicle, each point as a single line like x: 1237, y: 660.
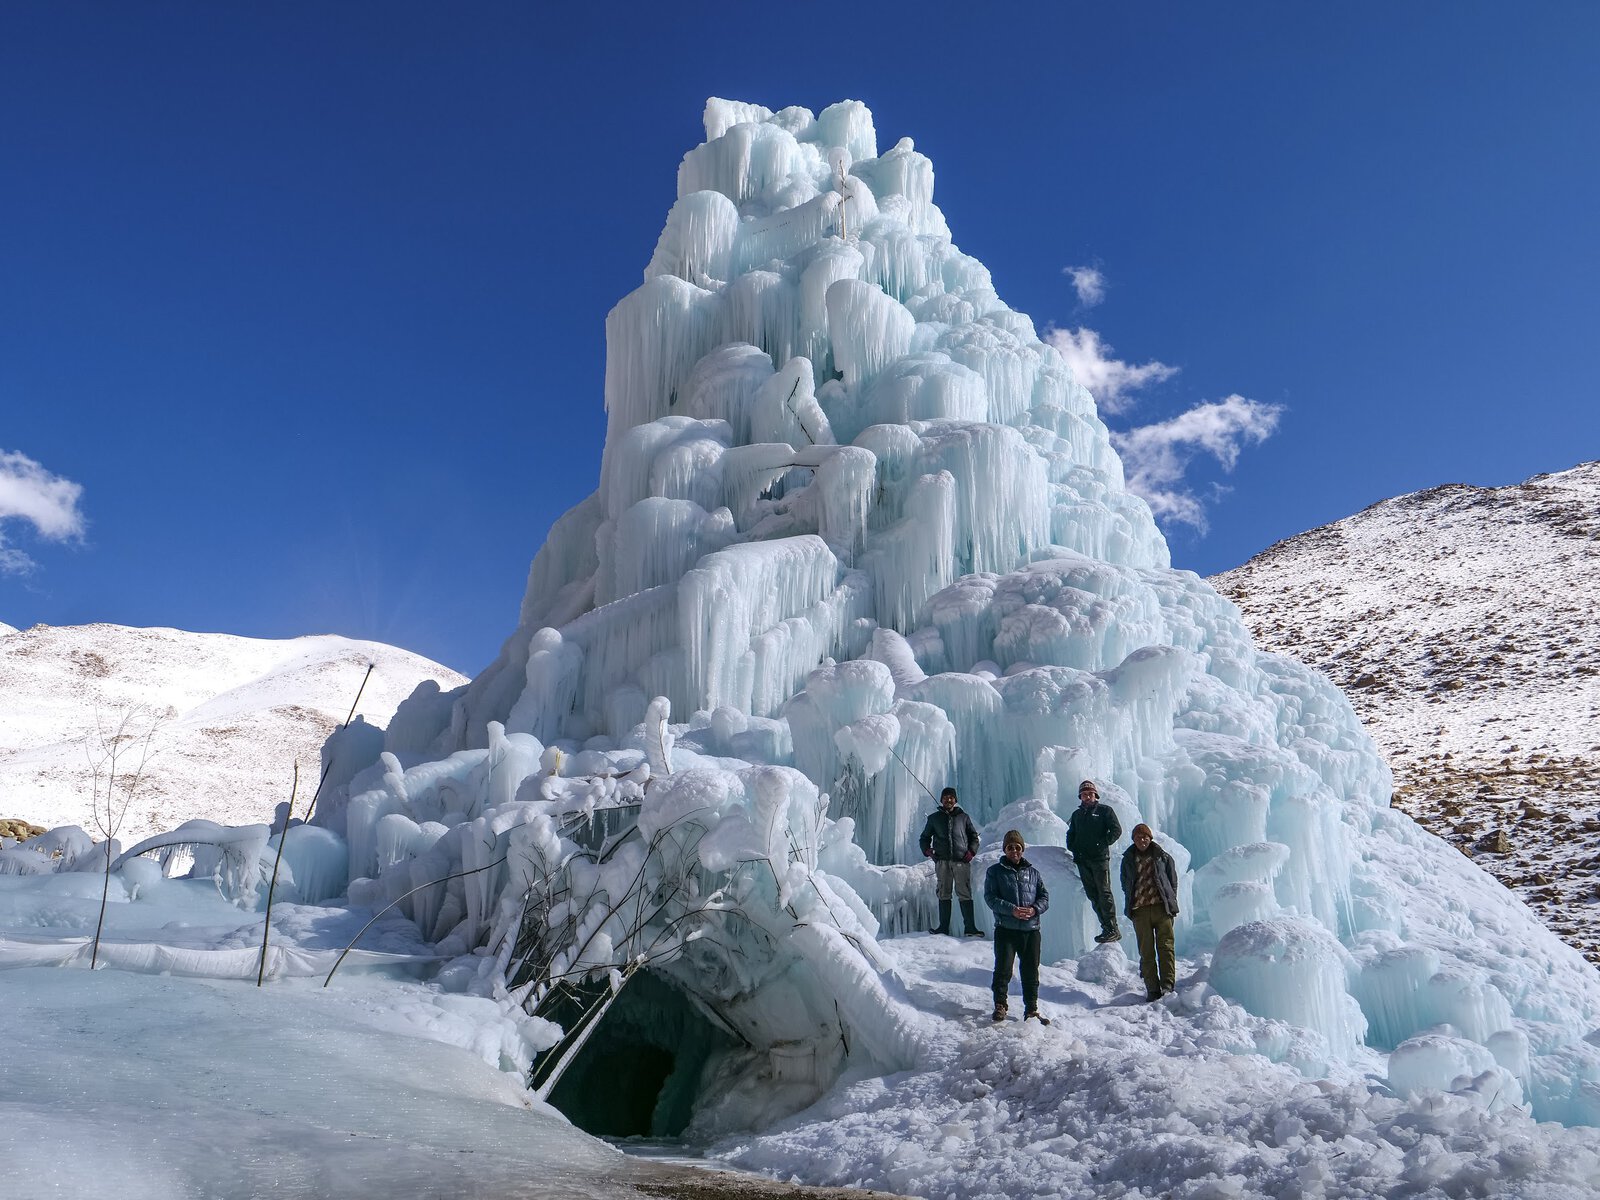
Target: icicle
x: 723, y: 385
x: 903, y: 172
x: 868, y: 329
x: 911, y: 561
x: 697, y: 243
x: 654, y: 335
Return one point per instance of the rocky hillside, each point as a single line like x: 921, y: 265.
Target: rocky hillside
x: 1461, y: 622
x: 228, y: 718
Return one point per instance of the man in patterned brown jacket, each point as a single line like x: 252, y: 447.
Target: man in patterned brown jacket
x: 1150, y: 893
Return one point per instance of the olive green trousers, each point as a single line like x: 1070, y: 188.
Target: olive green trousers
x: 1158, y: 961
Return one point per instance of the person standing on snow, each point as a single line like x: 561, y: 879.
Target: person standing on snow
x: 1015, y: 892
x: 1091, y: 833
x: 1150, y: 889
x: 951, y: 840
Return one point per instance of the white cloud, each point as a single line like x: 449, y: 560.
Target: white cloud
x: 1088, y: 282
x: 1157, y: 456
x: 48, y: 502
x: 1112, y: 381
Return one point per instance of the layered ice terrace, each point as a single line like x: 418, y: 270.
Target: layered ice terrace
x: 859, y: 532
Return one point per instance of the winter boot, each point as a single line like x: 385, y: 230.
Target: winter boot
x: 1108, y: 935
x: 999, y: 1012
x: 1034, y: 1015
x: 944, y: 918
x: 969, y: 921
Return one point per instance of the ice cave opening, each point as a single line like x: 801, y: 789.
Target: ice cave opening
x: 640, y: 1073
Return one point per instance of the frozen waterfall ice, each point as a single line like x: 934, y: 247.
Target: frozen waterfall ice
x: 859, y: 532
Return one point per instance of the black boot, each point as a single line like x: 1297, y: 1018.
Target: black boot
x: 944, y: 918
x: 969, y: 920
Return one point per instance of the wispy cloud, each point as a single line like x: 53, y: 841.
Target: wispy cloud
x: 46, y: 501
x: 1112, y: 380
x: 1156, y: 457
x: 1088, y: 282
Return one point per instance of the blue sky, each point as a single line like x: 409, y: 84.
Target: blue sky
x: 301, y: 305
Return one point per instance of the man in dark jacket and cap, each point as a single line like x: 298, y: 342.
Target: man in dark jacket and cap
x: 1091, y: 833
x: 951, y: 840
x: 1015, y: 892
x: 1150, y: 894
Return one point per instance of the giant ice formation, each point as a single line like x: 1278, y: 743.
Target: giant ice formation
x: 858, y: 529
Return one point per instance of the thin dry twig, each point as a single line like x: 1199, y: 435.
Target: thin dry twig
x: 107, y: 754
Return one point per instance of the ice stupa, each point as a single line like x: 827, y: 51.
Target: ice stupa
x: 858, y: 531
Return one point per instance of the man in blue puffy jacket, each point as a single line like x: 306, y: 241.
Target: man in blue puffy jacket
x: 1015, y: 892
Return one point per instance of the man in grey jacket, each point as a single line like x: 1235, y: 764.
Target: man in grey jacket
x: 1015, y: 892
x: 951, y: 840
x: 1091, y: 833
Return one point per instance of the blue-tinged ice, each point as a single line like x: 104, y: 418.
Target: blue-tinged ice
x: 859, y: 534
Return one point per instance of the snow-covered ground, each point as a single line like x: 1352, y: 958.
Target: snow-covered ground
x: 1123, y: 1098
x: 171, y: 1087
x: 233, y: 715
x: 155, y: 1088
x: 179, y: 1086
x: 1459, y: 621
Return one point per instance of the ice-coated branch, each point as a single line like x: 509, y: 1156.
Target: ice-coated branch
x: 430, y: 883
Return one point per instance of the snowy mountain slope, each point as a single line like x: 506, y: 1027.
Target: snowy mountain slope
x: 1460, y: 622
x: 235, y: 715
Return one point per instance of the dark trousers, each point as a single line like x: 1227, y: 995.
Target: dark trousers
x: 1096, y: 876
x: 1010, y: 944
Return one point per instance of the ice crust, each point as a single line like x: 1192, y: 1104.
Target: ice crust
x: 863, y: 534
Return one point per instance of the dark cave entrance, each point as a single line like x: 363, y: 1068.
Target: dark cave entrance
x: 639, y: 1074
